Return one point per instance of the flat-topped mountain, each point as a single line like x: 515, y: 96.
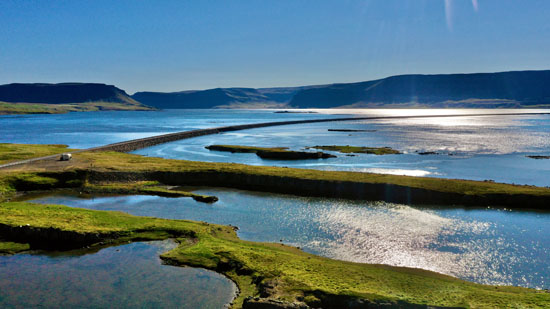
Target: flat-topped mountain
x: 63, y: 93
x: 477, y: 90
x: 64, y: 97
x: 220, y: 97
x: 506, y: 89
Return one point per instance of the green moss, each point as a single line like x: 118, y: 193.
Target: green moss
x: 357, y: 149
x: 290, y: 273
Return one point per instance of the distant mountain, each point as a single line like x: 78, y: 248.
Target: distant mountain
x: 219, y: 97
x: 478, y: 90
x: 69, y: 93
x: 506, y: 89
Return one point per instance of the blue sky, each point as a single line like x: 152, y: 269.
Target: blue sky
x: 178, y: 45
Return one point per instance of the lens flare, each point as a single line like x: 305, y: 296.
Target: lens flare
x: 449, y: 11
x: 449, y: 14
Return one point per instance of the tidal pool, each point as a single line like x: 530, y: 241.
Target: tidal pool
x: 127, y: 276
x: 491, y: 246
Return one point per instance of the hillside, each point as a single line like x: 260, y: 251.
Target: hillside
x: 220, y: 98
x: 478, y: 90
x: 506, y: 89
x: 64, y: 97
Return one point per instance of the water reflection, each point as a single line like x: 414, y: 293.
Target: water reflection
x: 128, y: 276
x: 484, y: 245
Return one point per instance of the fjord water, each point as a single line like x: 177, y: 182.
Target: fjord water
x: 483, y: 245
x: 492, y: 246
x: 479, y: 148
x: 127, y: 276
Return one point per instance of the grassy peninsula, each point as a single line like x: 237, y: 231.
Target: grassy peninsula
x: 98, y: 167
x: 8, y: 108
x: 272, y: 271
x: 263, y: 271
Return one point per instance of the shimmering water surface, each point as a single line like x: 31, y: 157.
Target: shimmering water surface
x: 493, y: 246
x: 482, y: 245
x: 127, y: 276
x: 480, y: 148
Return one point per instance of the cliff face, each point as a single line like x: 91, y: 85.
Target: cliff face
x: 218, y: 97
x: 507, y: 89
x: 64, y: 93
x: 487, y: 90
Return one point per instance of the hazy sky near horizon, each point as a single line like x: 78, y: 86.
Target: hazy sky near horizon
x: 181, y: 45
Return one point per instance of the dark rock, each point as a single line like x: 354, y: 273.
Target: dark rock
x: 349, y: 130
x: 539, y: 157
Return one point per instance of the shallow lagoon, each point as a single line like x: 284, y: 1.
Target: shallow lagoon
x: 493, y: 246
x: 126, y: 276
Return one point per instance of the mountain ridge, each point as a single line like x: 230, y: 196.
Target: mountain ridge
x: 30, y: 98
x: 511, y: 89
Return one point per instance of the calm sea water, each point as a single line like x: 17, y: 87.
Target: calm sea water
x: 482, y: 245
x: 127, y: 276
x: 480, y: 148
x: 493, y: 246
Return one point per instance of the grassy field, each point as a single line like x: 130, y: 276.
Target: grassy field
x: 32, y: 177
x: 7, y: 108
x: 273, y: 270
x: 16, y: 152
x: 115, y: 161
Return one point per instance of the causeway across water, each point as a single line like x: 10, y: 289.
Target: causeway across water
x: 140, y: 143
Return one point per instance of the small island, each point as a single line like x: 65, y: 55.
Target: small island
x: 538, y: 157
x: 349, y: 130
x: 274, y: 153
x: 358, y: 149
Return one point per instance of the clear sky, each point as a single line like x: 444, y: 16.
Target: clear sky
x: 179, y: 45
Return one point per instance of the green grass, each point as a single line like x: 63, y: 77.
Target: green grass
x: 114, y: 161
x: 8, y: 247
x: 143, y: 187
x: 16, y: 152
x: 291, y: 274
x: 8, y: 108
x: 358, y: 149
